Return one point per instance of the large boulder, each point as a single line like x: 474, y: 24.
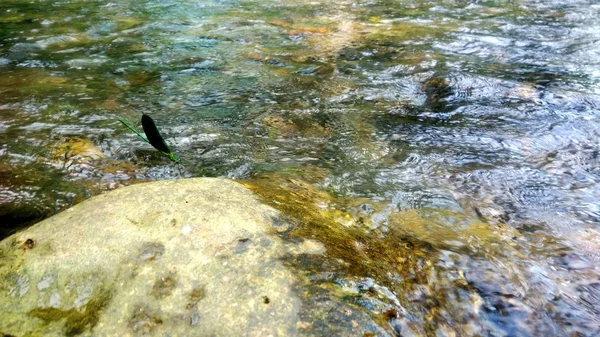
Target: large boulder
x: 196, y: 257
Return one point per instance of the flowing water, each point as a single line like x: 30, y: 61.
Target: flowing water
x: 471, y: 127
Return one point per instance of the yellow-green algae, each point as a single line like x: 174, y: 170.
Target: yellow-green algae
x: 409, y: 248
x: 76, y: 321
x: 367, y: 252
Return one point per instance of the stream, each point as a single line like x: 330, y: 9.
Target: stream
x: 468, y: 130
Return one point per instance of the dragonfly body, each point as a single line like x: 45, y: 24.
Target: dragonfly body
x: 153, y: 137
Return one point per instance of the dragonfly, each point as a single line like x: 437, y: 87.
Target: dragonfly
x: 153, y: 137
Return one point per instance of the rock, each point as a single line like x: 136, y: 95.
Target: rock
x: 587, y: 240
x: 438, y: 90
x: 277, y: 125
x: 182, y: 258
x: 79, y: 157
x: 77, y: 149
x: 205, y: 257
x: 62, y: 41
x: 524, y: 92
x: 319, y: 70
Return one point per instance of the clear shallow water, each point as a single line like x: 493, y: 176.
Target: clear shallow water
x: 488, y: 110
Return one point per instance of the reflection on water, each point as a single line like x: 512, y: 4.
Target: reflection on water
x: 486, y: 110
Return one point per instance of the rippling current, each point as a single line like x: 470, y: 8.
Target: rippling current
x: 488, y: 109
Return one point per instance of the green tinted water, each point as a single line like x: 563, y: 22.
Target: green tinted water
x: 455, y: 143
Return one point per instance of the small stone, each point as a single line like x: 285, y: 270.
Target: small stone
x: 579, y: 263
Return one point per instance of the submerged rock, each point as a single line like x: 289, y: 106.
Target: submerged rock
x: 186, y: 257
x: 438, y: 90
x: 76, y: 150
